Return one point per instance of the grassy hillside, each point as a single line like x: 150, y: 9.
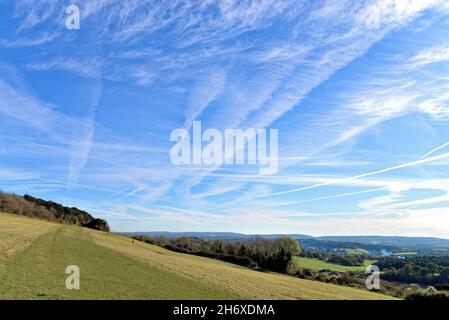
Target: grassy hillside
x: 115, y: 267
x: 17, y: 233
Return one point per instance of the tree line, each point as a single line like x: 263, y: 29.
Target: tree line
x: 430, y: 270
x: 258, y: 253
x: 48, y: 210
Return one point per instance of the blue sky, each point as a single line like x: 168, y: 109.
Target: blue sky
x: 358, y: 91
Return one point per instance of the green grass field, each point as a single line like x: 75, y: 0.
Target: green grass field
x: 115, y: 267
x: 356, y: 251
x: 16, y: 233
x: 406, y: 253
x: 316, y: 264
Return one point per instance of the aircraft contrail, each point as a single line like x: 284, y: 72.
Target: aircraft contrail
x: 435, y: 150
x: 404, y: 165
x: 340, y: 195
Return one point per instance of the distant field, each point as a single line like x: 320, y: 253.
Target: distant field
x: 115, y: 267
x: 316, y: 264
x: 356, y: 251
x: 407, y: 253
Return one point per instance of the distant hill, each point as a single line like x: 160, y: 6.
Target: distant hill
x: 390, y: 240
x: 48, y: 210
x: 214, y: 235
x: 367, y: 240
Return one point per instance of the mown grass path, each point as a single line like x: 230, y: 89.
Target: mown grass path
x: 16, y: 233
x: 38, y: 272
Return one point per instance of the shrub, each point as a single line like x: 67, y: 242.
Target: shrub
x: 48, y: 210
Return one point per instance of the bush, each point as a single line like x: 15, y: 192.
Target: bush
x: 428, y: 294
x: 98, y: 224
x: 48, y: 210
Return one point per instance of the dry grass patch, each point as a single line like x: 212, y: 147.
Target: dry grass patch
x: 17, y: 232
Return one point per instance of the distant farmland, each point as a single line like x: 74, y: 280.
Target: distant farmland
x: 357, y: 251
x: 316, y: 264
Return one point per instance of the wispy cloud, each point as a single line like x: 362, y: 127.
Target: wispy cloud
x: 431, y: 55
x: 88, y: 67
x: 343, y: 81
x: 385, y: 170
x: 29, y: 42
x: 205, y: 91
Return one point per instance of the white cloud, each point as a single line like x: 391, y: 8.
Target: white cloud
x: 29, y: 42
x: 425, y: 222
x: 431, y: 55
x: 91, y: 67
x: 233, y: 79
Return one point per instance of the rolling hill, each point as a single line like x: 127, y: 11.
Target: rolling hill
x: 372, y: 240
x: 390, y: 240
x: 214, y: 235
x: 34, y: 255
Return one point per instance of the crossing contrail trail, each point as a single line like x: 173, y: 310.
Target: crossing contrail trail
x: 340, y: 195
x: 404, y: 165
x: 435, y: 150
